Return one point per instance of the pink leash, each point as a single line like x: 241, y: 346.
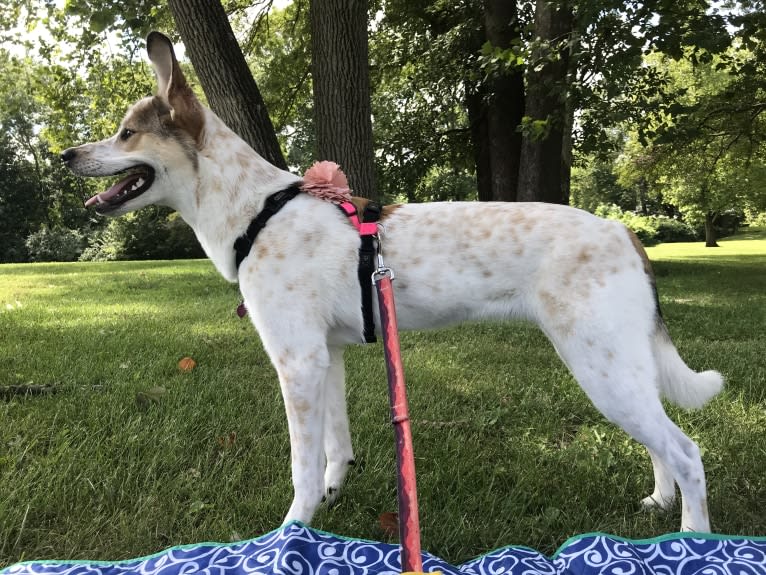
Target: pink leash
x: 326, y: 181
x: 409, y: 524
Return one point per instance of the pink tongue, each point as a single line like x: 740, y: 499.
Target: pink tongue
x: 113, y: 191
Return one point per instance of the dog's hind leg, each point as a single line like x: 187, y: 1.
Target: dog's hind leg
x: 664, y: 493
x: 618, y: 373
x: 673, y: 454
x: 680, y: 456
x: 337, y: 437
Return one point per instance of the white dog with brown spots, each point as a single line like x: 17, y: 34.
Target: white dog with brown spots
x: 585, y: 281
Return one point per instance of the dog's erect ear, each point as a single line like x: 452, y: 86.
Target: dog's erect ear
x: 172, y: 86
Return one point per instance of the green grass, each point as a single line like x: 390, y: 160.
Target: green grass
x: 508, y: 449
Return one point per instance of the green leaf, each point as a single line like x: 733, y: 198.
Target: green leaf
x: 198, y: 506
x: 99, y: 21
x: 145, y: 399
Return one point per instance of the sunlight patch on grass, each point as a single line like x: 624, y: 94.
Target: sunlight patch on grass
x: 737, y: 247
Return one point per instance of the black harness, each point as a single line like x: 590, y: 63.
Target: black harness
x: 275, y: 202
x: 367, y: 249
x: 367, y: 253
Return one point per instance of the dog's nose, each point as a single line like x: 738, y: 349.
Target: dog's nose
x: 68, y: 155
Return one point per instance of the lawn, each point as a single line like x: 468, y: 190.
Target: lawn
x: 116, y: 453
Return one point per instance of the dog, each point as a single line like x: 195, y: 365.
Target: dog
x: 585, y: 281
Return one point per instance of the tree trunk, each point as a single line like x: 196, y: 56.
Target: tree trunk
x: 541, y: 175
x: 477, y: 119
x: 505, y: 103
x: 569, y: 112
x: 710, y: 235
x: 643, y: 192
x: 567, y: 143
x: 340, y: 76
x: 226, y: 79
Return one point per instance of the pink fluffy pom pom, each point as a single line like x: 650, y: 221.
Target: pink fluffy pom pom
x: 326, y: 181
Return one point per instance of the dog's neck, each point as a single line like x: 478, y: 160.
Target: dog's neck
x: 233, y: 182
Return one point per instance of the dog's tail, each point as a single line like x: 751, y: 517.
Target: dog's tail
x: 681, y: 385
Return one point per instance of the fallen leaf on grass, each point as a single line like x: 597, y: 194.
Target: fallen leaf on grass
x: 389, y: 523
x: 198, y: 506
x: 186, y: 364
x: 227, y: 441
x: 145, y: 399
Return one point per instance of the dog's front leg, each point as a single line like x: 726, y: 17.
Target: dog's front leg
x: 302, y: 371
x: 337, y: 438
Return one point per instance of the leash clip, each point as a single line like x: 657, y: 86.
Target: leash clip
x: 382, y: 270
x: 381, y: 273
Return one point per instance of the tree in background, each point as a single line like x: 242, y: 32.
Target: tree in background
x: 35, y: 190
x: 706, y: 156
x: 229, y: 86
x: 342, y: 110
x: 22, y: 206
x: 496, y: 105
x: 541, y: 176
x: 637, y: 170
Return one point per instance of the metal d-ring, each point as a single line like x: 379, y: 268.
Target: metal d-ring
x: 382, y: 272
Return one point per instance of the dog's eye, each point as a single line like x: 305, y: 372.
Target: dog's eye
x: 125, y: 134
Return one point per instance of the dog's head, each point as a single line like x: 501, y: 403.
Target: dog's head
x: 155, y: 148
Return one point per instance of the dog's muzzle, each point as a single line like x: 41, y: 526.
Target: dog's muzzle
x: 135, y: 181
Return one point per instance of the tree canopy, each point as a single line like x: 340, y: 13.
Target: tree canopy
x: 656, y: 106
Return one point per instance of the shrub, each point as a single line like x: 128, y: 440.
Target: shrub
x: 672, y: 230
x: 101, y: 247
x: 755, y: 219
x: 56, y: 244
x: 727, y: 223
x: 442, y: 184
x: 150, y: 234
x: 180, y: 241
x: 651, y: 229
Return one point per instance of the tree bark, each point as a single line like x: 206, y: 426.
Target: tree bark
x: 340, y: 76
x: 541, y: 176
x: 477, y: 119
x: 710, y: 235
x: 567, y: 145
x: 226, y: 79
x: 505, y: 103
x: 569, y: 113
x: 643, y: 193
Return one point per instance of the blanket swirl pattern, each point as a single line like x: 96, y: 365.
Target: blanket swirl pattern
x: 299, y: 550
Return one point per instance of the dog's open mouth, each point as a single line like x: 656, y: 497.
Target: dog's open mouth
x: 136, y: 181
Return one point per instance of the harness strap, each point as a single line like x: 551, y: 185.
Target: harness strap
x: 275, y: 202
x: 367, y: 228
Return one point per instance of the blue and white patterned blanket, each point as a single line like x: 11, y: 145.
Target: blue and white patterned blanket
x: 299, y: 550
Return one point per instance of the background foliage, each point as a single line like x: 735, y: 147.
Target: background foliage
x: 665, y: 101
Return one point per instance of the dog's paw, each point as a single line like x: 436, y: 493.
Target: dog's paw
x: 657, y: 503
x: 331, y: 496
x: 334, y: 475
